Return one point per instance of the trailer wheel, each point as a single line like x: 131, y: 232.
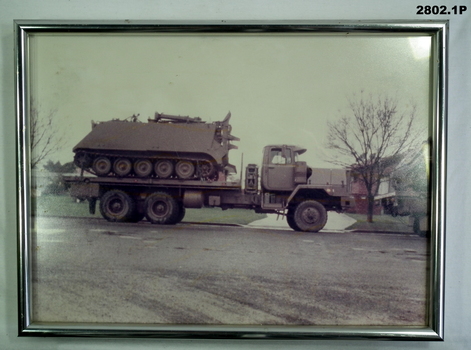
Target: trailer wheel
x: 181, y: 214
x: 116, y: 205
x: 161, y: 208
x: 310, y: 216
x: 136, y: 216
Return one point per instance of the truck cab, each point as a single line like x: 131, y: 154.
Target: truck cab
x: 281, y: 170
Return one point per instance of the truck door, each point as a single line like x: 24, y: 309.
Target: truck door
x: 278, y: 170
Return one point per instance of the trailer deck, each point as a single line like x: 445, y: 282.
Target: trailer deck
x: 172, y: 183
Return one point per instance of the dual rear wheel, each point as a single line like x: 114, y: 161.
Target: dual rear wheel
x: 162, y: 208
x: 159, y: 208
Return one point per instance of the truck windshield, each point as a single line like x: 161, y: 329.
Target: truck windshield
x: 277, y: 156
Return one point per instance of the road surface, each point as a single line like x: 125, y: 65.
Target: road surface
x: 91, y: 270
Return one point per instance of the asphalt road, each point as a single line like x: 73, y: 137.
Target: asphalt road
x: 90, y: 270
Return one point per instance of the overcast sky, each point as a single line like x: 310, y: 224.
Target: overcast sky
x: 279, y: 88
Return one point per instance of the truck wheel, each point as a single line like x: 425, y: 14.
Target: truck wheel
x: 116, y: 205
x: 310, y: 216
x: 290, y: 221
x: 161, y: 208
x: 136, y: 216
x: 181, y: 214
x: 122, y: 166
x: 184, y: 169
x: 101, y: 166
x: 142, y: 167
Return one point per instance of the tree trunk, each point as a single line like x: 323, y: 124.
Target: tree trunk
x: 370, y: 208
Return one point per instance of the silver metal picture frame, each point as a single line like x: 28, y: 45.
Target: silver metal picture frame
x: 146, y: 271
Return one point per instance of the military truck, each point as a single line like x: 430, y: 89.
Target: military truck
x: 284, y: 185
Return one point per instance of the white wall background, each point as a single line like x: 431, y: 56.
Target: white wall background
x: 458, y: 238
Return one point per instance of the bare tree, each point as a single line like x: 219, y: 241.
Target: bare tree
x: 44, y: 137
x: 371, y: 137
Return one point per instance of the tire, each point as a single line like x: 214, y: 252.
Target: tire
x: 161, y: 208
x: 184, y: 169
x: 163, y: 168
x: 181, y: 214
x: 139, y: 212
x: 310, y: 216
x: 136, y: 216
x: 117, y: 206
x: 142, y: 167
x: 122, y: 166
x: 101, y: 166
x: 290, y: 221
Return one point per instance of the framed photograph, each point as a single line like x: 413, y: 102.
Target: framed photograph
x: 244, y: 180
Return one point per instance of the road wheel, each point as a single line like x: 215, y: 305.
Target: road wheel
x: 161, y: 208
x: 101, y: 166
x: 310, y: 216
x: 116, y: 205
x: 122, y: 166
x: 163, y: 168
x: 184, y: 169
x: 142, y: 167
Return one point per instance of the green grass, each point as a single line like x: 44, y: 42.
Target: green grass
x: 386, y: 223
x: 66, y: 206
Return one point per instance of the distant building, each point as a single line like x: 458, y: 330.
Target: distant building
x: 359, y: 192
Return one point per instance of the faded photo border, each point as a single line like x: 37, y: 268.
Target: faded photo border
x: 27, y: 81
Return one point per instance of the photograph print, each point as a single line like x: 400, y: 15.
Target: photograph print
x: 187, y: 178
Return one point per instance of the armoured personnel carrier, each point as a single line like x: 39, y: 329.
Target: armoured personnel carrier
x: 165, y: 147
